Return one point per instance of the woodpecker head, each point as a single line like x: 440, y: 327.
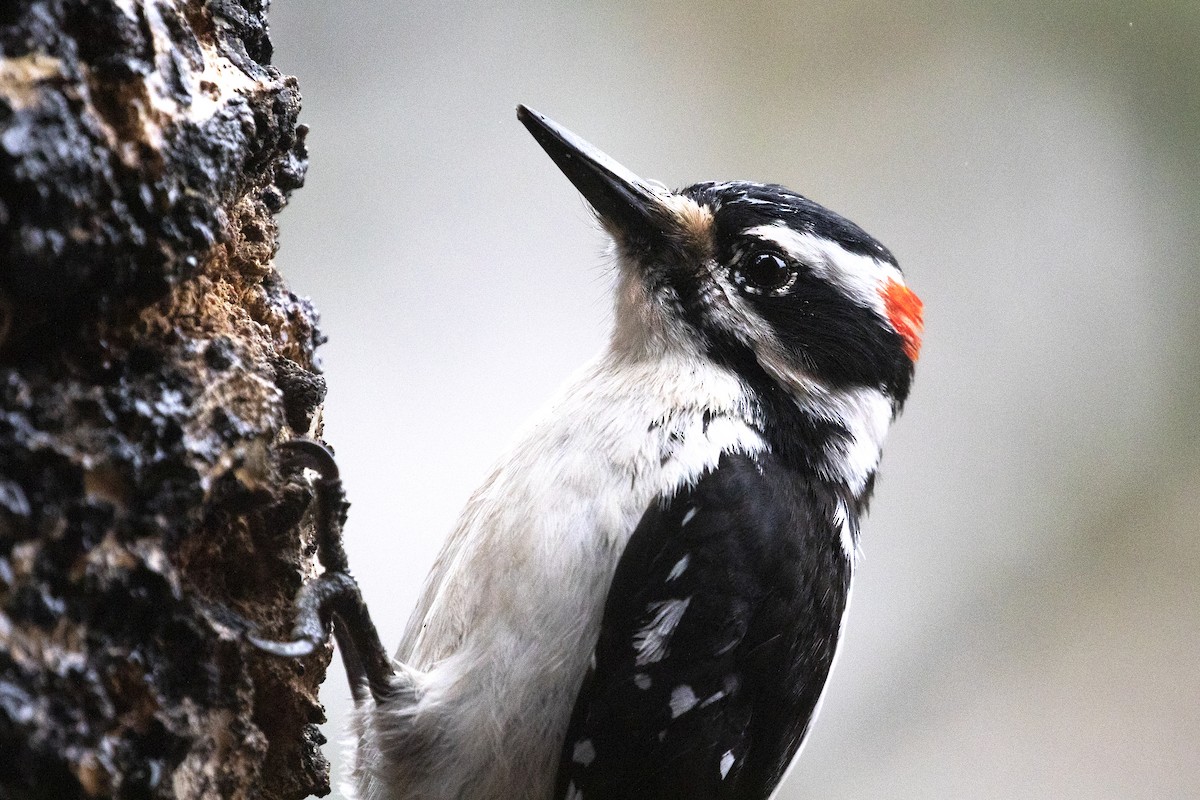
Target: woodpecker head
x: 800, y: 302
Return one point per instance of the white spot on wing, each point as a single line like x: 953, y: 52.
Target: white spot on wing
x: 683, y: 700
x: 641, y: 680
x: 688, y: 517
x: 680, y: 566
x: 726, y: 763
x: 573, y: 792
x: 651, y: 642
x: 584, y: 753
x: 730, y: 684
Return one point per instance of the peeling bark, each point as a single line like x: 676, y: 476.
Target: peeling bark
x: 151, y: 359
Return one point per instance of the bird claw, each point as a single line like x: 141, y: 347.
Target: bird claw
x: 316, y: 603
x: 299, y: 648
x: 311, y: 454
x: 335, y: 593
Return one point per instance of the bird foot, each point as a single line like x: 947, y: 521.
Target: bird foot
x: 333, y: 599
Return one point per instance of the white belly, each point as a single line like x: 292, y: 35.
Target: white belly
x: 499, y: 644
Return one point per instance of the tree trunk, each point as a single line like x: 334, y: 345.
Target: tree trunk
x: 151, y: 360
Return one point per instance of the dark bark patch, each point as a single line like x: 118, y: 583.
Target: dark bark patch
x: 150, y: 361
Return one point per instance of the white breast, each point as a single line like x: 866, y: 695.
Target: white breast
x: 498, y: 645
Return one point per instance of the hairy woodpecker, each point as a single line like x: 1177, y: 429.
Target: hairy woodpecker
x: 643, y: 601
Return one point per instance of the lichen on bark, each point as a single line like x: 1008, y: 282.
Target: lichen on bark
x: 151, y: 360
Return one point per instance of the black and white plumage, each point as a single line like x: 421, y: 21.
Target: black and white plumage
x: 721, y: 624
x: 644, y: 598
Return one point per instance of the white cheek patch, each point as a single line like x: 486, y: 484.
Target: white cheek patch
x: 865, y: 413
x: 860, y: 277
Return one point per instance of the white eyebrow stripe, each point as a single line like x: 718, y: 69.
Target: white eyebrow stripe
x: 859, y: 276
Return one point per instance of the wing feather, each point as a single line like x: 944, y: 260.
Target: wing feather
x: 719, y: 630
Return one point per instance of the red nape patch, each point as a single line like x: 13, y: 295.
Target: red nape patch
x: 904, y: 310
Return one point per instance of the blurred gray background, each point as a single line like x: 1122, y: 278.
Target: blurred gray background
x: 1026, y: 623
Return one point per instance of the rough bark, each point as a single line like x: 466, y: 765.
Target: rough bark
x: 151, y: 360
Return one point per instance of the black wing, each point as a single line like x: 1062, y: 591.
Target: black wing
x: 718, y: 634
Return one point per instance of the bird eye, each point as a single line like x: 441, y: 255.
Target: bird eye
x: 764, y: 273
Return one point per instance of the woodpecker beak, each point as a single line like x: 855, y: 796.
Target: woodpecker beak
x: 624, y: 201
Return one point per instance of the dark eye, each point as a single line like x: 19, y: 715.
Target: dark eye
x: 764, y: 273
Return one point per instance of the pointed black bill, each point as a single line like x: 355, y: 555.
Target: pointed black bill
x: 622, y: 199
